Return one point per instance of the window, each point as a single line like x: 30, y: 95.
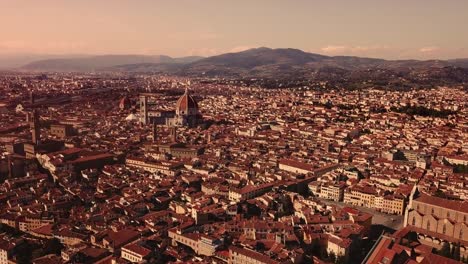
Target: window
x: 460, y: 235
x: 414, y: 221
x: 444, y: 229
x: 428, y: 225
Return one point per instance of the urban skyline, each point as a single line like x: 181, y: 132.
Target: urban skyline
x: 123, y: 140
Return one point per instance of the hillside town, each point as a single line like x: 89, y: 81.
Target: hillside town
x: 144, y: 168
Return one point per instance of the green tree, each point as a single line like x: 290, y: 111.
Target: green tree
x: 259, y: 246
x: 24, y: 253
x: 445, y: 250
x: 53, y: 246
x: 340, y: 260
x: 332, y: 257
x: 456, y: 252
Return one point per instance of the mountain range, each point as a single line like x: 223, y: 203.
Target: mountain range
x: 259, y: 62
x: 98, y: 63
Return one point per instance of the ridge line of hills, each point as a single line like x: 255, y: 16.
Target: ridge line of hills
x: 101, y: 62
x: 264, y: 63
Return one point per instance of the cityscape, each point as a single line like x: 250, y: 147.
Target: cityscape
x: 249, y: 156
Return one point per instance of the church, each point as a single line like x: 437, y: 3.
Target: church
x: 186, y: 112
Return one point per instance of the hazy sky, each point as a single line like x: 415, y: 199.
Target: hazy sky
x: 377, y: 28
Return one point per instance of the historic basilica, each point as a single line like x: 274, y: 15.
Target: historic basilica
x: 186, y: 112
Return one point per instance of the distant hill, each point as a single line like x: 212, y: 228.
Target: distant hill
x: 97, y: 63
x: 264, y: 62
x: 11, y: 61
x: 463, y: 63
x: 267, y: 63
x: 252, y: 58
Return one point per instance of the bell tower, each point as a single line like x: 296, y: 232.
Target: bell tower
x: 35, y: 127
x: 143, y: 109
x: 31, y: 97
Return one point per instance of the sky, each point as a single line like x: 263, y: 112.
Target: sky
x: 391, y: 29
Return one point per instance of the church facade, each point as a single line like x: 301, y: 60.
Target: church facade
x: 437, y: 220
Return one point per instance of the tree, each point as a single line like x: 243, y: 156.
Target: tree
x: 445, y: 250
x: 314, y: 247
x: 332, y: 256
x: 323, y: 253
x: 53, y: 246
x: 156, y: 256
x: 24, y: 251
x: 440, y: 194
x: 456, y: 252
x: 259, y: 246
x: 460, y: 169
x: 412, y: 237
x: 340, y: 260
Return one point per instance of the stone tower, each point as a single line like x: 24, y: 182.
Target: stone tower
x: 35, y: 127
x: 143, y: 109
x: 31, y: 97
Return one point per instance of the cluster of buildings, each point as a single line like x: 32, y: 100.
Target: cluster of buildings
x: 148, y: 169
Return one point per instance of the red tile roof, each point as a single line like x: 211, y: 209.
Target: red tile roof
x: 461, y: 206
x: 137, y: 249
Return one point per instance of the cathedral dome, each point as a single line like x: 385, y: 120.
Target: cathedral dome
x: 186, y: 105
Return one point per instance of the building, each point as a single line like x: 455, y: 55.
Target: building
x: 37, y: 145
x: 7, y: 249
x: 457, y: 160
x: 295, y: 166
x: 245, y: 256
x: 338, y: 246
x: 61, y: 131
x: 314, y: 188
x: 438, y: 220
x: 114, y: 240
x: 334, y: 192
x: 393, y: 250
x: 165, y: 167
x: 390, y: 204
x: 360, y: 196
x: 46, y: 146
x: 31, y: 223
x: 200, y: 243
x: 178, y: 150
x: 186, y: 112
x: 134, y: 253
x: 249, y: 192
